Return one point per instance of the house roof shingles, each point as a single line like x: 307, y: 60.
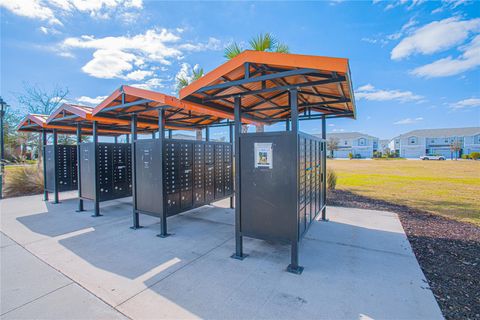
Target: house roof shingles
x: 444, y: 132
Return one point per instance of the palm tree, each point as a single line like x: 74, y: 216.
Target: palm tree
x: 262, y: 42
x: 184, y: 80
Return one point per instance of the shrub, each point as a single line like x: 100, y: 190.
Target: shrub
x: 475, y: 155
x: 350, y: 155
x: 465, y: 156
x: 331, y: 179
x: 23, y: 180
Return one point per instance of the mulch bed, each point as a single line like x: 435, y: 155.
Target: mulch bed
x: 448, y: 252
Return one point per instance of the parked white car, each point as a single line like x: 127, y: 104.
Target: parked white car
x: 432, y: 157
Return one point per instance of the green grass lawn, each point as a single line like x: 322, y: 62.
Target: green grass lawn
x: 449, y: 188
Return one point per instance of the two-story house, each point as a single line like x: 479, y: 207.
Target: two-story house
x: 418, y: 143
x: 356, y: 143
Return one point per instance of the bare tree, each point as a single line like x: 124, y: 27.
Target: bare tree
x: 455, y: 148
x: 332, y: 144
x: 37, y: 100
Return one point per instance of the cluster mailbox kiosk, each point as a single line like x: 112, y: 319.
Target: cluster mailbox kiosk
x: 279, y: 176
x: 60, y: 161
x: 195, y: 173
x: 104, y: 169
x: 171, y: 176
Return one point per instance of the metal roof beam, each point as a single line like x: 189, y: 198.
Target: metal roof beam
x: 294, y: 72
x: 278, y: 88
x: 126, y: 105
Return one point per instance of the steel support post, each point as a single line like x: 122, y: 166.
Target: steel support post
x: 96, y: 186
x: 161, y: 136
x: 44, y: 153
x: 287, y: 125
x: 294, y: 267
x: 207, y: 134
x: 230, y: 131
x: 79, y: 168
x: 324, y: 169
x: 115, y: 139
x: 55, y: 166
x: 127, y: 138
x: 153, y: 135
x: 170, y: 134
x: 136, y: 215
x: 237, y: 168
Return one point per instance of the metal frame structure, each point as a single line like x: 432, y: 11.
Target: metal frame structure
x: 167, y: 113
x: 80, y: 119
x: 38, y: 124
x: 271, y: 87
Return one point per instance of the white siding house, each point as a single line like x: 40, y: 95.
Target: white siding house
x: 418, y: 143
x: 355, y: 143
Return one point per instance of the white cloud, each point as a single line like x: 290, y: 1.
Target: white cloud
x: 91, y: 101
x: 449, y: 66
x: 108, y: 64
x: 211, y: 44
x: 367, y: 87
x: 33, y: 9
x: 435, y: 37
x: 466, y: 104
x: 338, y: 130
x: 46, y: 30
x: 113, y: 56
x: 409, y: 120
x: 53, y: 10
x: 139, y: 74
x: 150, y: 84
x: 411, y: 4
x: 369, y: 92
x: 451, y: 4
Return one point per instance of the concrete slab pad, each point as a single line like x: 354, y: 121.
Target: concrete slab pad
x: 339, y: 282
x: 115, y: 262
x: 5, y: 241
x: 40, y: 220
x: 358, y: 265
x: 25, y: 278
x: 69, y: 302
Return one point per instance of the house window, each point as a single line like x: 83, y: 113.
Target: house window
x: 446, y: 140
x: 432, y: 141
x: 477, y: 139
x: 346, y: 142
x: 412, y: 140
x: 362, y: 141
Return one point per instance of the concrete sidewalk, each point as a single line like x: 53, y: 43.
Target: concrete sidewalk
x: 358, y: 265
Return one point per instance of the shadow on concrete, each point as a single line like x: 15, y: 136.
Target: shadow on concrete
x: 350, y: 270
x: 62, y: 218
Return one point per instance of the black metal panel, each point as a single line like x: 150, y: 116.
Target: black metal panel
x: 191, y: 170
x: 280, y: 203
x: 149, y: 192
x: 66, y: 169
x: 87, y: 172
x: 209, y: 183
x: 50, y: 167
x: 218, y: 171
x: 114, y: 171
x: 269, y: 196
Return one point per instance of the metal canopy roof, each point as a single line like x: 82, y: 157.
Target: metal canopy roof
x: 263, y: 80
x: 127, y: 100
x: 38, y: 123
x: 70, y: 114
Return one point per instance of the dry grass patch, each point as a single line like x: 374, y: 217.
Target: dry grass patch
x: 449, y: 188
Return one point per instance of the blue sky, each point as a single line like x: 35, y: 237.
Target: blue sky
x: 414, y: 64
